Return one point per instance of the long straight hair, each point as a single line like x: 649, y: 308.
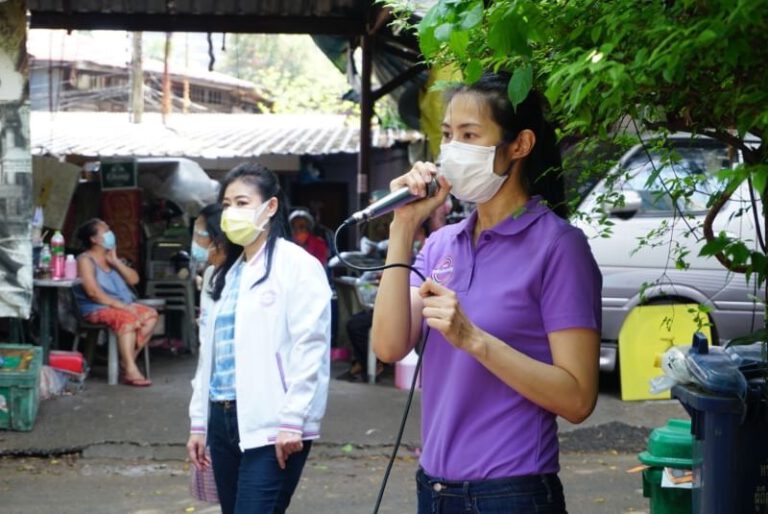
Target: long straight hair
x: 268, y: 186
x: 542, y: 172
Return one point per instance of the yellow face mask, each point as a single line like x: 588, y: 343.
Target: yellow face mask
x: 241, y: 225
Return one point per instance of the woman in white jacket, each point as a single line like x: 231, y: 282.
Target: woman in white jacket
x: 261, y: 386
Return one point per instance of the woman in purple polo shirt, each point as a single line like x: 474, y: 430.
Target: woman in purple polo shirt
x: 513, y: 303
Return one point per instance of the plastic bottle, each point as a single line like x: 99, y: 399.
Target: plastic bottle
x: 45, y: 261
x: 675, y: 367
x: 70, y: 268
x: 57, y: 256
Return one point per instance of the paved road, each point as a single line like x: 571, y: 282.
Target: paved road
x: 594, y: 484
x: 120, y: 449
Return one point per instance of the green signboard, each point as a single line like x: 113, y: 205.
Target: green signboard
x: 118, y: 174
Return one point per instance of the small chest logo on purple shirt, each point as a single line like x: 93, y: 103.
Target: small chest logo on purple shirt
x: 443, y: 272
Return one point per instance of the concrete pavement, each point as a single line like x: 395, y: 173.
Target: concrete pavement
x: 122, y: 437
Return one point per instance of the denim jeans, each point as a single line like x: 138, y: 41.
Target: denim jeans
x: 249, y: 481
x: 514, y: 495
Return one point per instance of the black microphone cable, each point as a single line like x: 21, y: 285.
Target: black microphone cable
x: 419, y: 350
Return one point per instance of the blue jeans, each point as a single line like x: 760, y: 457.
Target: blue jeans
x: 514, y: 495
x: 249, y: 481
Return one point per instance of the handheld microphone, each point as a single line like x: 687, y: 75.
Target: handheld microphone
x: 389, y: 203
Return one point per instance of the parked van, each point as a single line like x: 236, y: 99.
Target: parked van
x: 635, y: 274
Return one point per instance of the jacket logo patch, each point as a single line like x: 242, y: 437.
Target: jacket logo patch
x: 443, y: 272
x: 267, y: 298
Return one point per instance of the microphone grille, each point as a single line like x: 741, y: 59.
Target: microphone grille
x: 432, y: 187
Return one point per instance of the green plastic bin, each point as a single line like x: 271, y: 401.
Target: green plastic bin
x: 669, y: 446
x: 19, y: 384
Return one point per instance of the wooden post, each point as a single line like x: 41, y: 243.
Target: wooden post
x: 166, y: 78
x: 185, y: 94
x: 137, y: 80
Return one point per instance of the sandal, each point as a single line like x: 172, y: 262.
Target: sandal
x: 136, y: 382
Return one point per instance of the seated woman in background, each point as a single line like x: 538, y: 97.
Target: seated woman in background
x: 104, y: 297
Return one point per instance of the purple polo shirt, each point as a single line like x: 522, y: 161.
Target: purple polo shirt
x: 527, y: 276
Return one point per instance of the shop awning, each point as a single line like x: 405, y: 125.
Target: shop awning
x: 284, y: 16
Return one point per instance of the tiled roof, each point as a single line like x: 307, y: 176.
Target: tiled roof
x: 201, y: 136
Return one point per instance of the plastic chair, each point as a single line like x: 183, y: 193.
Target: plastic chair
x: 179, y: 296
x: 112, y: 351
x: 350, y: 303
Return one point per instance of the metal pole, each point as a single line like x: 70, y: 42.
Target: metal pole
x: 366, y: 114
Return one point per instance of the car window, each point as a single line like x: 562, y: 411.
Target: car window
x: 697, y: 164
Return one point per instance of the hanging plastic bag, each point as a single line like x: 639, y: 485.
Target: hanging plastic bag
x: 202, y: 485
x: 675, y: 369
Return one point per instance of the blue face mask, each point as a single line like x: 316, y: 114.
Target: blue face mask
x: 108, y: 240
x: 199, y: 253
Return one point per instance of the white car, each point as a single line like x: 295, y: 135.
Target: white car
x: 635, y: 274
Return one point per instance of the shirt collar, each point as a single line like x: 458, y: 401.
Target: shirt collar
x: 515, y: 223
x: 256, y: 258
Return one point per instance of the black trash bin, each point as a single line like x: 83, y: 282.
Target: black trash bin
x: 730, y: 450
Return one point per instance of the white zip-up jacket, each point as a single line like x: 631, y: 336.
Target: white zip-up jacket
x: 282, y: 349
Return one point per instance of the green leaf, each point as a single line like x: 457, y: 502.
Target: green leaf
x: 595, y: 33
x: 706, y: 36
x: 430, y: 19
x: 668, y: 73
x: 520, y: 85
x: 759, y: 177
x: 554, y: 89
x: 715, y: 246
x: 472, y: 17
x: 428, y: 44
x: 459, y: 41
x: 499, y: 38
x: 443, y: 32
x: 473, y: 71
x: 738, y: 252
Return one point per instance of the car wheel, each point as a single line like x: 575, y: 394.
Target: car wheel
x: 671, y: 300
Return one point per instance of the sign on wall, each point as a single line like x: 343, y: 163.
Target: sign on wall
x: 118, y: 174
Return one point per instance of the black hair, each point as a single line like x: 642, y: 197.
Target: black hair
x: 86, y: 231
x: 268, y: 185
x: 211, y: 213
x: 542, y: 172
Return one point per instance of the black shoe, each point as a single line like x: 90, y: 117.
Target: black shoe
x: 350, y: 377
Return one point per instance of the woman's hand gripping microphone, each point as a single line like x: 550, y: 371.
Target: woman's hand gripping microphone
x: 417, y: 181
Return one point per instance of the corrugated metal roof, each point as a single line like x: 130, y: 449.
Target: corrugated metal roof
x: 202, y: 136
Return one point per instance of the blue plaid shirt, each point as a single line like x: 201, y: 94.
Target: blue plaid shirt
x: 223, y: 376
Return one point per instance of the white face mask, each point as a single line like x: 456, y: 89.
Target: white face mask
x: 469, y: 169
